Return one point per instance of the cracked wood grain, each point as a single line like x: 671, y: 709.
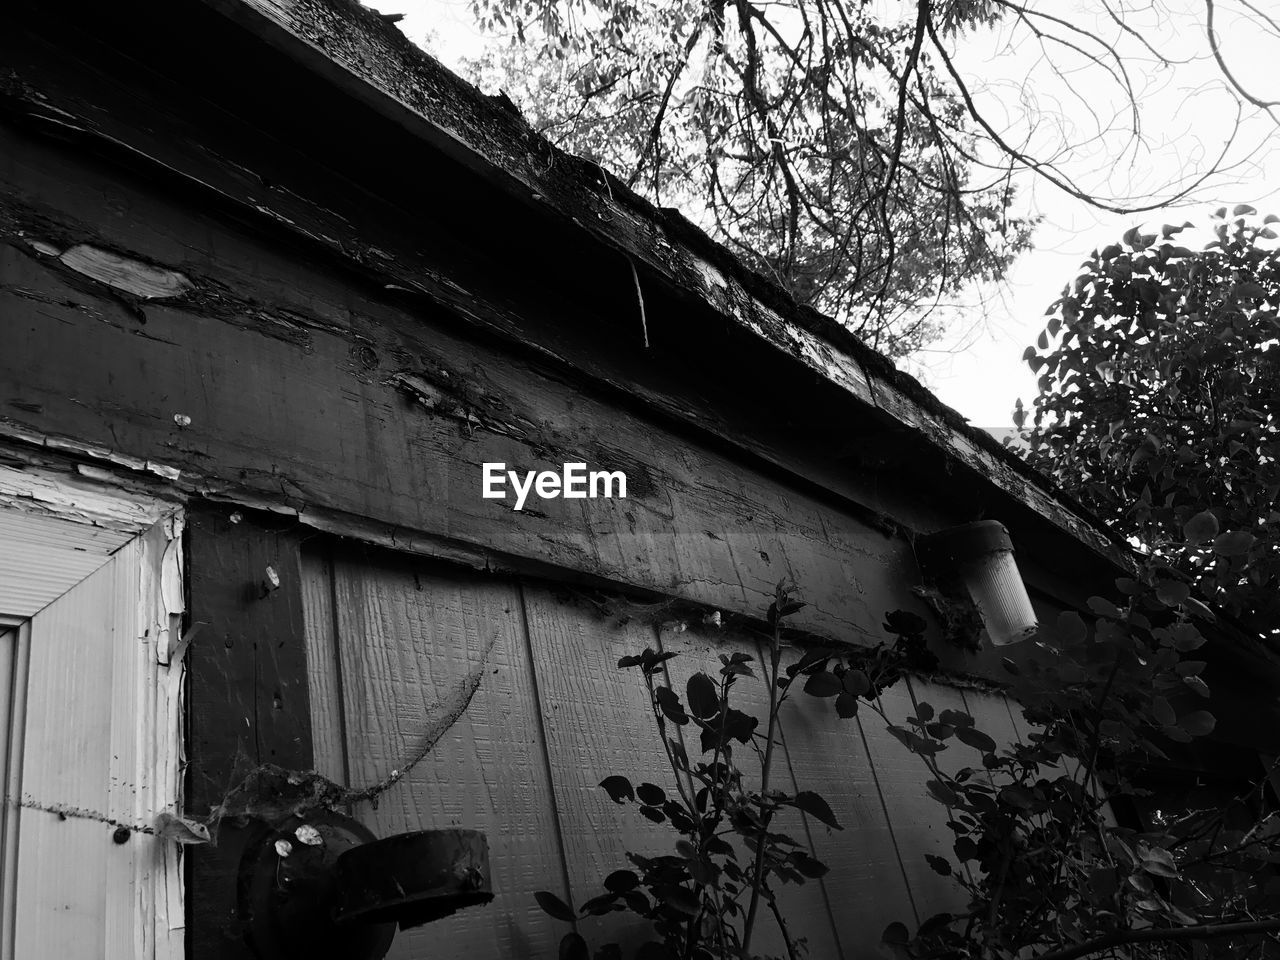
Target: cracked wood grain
x: 322, y: 426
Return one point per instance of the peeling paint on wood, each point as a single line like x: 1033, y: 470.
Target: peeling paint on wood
x: 372, y: 60
x: 342, y: 29
x: 125, y: 273
x: 319, y: 429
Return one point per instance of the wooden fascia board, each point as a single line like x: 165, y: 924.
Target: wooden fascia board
x: 372, y: 61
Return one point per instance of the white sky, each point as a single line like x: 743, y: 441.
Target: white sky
x: 1186, y: 121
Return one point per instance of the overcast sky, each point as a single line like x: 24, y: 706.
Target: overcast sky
x: 1186, y: 120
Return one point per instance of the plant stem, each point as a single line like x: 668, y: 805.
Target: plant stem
x: 775, y: 655
x: 782, y: 927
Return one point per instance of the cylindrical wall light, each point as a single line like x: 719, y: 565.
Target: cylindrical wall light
x: 981, y: 554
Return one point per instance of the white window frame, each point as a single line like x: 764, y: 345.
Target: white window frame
x: 156, y: 902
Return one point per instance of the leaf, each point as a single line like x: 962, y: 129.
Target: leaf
x: 940, y: 865
x: 651, y: 794
x: 916, y: 743
x: 942, y: 793
x: 856, y: 683
x: 823, y: 684
x: 813, y: 804
x: 1104, y: 608
x: 620, y: 881
x: 738, y: 725
x: 618, y: 788
x: 976, y: 739
x: 904, y: 623
x: 680, y: 899
x: 1199, y: 610
x: 669, y: 703
x: 1198, y: 723
x: 703, y: 697
x: 811, y: 867
x: 553, y: 906
x: 653, y: 813
x: 1198, y: 685
x: 1017, y: 796
x: 1163, y: 711
x: 1070, y: 629
x: 1191, y: 668
x: 1159, y: 863
x: 599, y: 906
x: 573, y: 947
x: 955, y: 718
x: 1172, y: 592
x: 1186, y: 637
x: 180, y: 829
x: 1233, y: 543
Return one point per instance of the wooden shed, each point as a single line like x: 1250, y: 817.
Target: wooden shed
x: 274, y: 288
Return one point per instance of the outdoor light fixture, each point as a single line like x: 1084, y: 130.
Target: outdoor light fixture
x: 981, y: 555
x: 323, y: 886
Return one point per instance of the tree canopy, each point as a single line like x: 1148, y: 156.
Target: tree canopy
x: 839, y: 146
x: 1160, y: 392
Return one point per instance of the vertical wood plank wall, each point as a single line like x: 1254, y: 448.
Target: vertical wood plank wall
x: 389, y: 640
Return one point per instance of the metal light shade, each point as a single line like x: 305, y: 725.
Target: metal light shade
x: 981, y: 555
x: 341, y: 893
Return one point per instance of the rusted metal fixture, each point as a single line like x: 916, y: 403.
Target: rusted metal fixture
x: 981, y: 555
x: 325, y: 886
x: 414, y: 878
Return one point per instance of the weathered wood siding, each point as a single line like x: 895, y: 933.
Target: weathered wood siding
x: 264, y: 330
x: 388, y: 641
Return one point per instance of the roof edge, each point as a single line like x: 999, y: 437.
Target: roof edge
x: 370, y: 59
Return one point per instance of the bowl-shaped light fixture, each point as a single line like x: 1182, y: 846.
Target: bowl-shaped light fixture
x: 323, y: 886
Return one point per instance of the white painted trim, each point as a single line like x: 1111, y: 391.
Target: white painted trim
x: 79, y: 500
x: 12, y: 776
x: 161, y: 935
x: 155, y: 899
